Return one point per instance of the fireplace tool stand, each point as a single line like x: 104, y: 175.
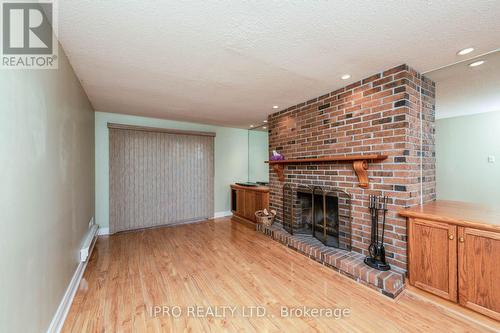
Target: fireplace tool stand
x: 378, y: 204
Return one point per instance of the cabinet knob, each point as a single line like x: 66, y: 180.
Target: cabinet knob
x: 461, y: 239
x: 451, y: 237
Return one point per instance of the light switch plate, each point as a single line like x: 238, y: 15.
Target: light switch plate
x: 491, y: 159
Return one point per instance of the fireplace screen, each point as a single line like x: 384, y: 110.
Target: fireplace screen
x: 324, y: 213
x: 288, y: 208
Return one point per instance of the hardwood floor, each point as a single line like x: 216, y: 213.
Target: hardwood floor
x: 220, y: 263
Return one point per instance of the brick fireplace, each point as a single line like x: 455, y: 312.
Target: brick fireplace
x: 389, y: 113
x: 323, y: 213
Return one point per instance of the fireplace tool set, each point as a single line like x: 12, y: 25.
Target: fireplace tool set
x: 377, y: 206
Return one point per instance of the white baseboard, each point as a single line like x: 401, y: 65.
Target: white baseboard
x: 62, y: 311
x: 57, y: 322
x: 103, y: 231
x: 222, y: 214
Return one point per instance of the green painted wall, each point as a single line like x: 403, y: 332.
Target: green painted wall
x: 231, y: 157
x: 46, y: 191
x: 258, y: 152
x: 463, y: 145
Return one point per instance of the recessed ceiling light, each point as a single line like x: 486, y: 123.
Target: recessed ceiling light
x: 264, y: 127
x: 345, y: 77
x: 465, y: 51
x: 476, y: 63
x: 265, y: 121
x: 275, y: 106
x: 251, y: 125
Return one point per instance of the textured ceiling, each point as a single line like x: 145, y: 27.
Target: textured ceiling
x: 228, y: 62
x: 462, y: 90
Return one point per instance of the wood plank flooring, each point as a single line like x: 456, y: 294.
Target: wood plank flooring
x: 223, y: 263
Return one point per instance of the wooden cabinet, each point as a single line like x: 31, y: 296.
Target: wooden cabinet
x: 454, y: 253
x: 479, y: 270
x: 433, y: 257
x: 240, y: 202
x: 247, y: 200
x: 250, y: 205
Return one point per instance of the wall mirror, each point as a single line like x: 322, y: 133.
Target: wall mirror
x: 468, y: 130
x: 258, y: 144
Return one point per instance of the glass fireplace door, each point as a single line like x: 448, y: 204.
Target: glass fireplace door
x: 325, y: 218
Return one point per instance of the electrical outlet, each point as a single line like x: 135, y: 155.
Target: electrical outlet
x: 491, y: 159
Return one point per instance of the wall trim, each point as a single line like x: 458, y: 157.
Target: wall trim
x: 102, y: 231
x: 222, y: 214
x: 105, y: 231
x: 59, y: 318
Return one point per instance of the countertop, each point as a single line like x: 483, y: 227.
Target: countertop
x: 459, y: 213
x: 259, y: 188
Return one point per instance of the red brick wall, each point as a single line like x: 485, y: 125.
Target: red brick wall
x: 384, y: 113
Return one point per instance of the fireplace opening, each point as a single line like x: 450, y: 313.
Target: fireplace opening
x: 320, y: 218
x: 320, y: 212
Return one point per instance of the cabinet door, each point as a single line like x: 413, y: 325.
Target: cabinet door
x: 433, y: 257
x: 263, y: 200
x: 240, y: 202
x: 479, y: 271
x: 250, y: 205
x: 259, y: 204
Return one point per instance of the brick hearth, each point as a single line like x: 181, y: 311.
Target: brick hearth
x: 390, y: 283
x: 385, y: 113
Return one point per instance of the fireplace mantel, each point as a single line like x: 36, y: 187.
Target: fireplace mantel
x: 359, y: 164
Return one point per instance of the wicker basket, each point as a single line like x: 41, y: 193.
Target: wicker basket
x: 265, y: 217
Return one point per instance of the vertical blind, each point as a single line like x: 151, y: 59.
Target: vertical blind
x: 159, y: 177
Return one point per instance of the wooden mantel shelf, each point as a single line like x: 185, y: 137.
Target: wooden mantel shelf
x: 359, y: 164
